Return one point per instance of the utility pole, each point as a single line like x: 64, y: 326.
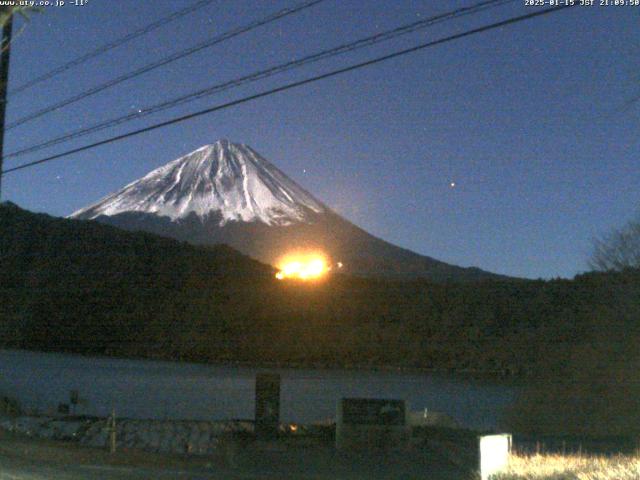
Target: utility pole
x: 5, y: 45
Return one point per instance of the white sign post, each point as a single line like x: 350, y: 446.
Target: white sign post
x: 494, y: 454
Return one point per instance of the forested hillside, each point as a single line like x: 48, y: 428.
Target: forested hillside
x: 80, y: 286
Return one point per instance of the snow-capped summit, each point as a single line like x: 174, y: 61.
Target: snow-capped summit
x: 226, y: 179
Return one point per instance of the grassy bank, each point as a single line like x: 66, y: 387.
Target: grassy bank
x: 572, y: 467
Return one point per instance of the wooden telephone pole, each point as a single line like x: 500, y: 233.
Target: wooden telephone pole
x: 5, y: 45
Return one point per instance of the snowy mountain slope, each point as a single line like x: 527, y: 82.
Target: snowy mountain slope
x: 228, y: 193
x: 228, y: 179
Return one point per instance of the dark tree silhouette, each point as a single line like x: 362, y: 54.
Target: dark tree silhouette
x: 619, y: 249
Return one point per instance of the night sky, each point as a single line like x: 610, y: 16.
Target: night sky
x: 509, y: 150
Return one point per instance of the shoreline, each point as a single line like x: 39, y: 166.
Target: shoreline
x: 444, y: 373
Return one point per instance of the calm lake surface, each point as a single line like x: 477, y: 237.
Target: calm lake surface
x: 159, y: 389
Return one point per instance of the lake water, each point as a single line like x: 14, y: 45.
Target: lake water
x: 159, y: 389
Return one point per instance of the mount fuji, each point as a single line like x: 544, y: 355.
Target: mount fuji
x: 227, y: 193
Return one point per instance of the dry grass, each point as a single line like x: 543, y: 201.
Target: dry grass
x: 572, y: 467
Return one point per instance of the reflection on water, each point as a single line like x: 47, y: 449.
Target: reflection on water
x: 158, y: 389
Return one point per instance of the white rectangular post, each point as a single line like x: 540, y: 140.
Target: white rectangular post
x: 494, y: 454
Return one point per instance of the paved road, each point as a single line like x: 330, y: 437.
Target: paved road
x: 21, y: 469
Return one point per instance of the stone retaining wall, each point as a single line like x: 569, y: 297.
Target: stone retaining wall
x: 164, y: 436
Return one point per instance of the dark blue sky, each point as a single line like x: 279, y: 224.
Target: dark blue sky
x: 531, y: 121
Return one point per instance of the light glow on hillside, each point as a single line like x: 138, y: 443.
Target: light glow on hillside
x: 305, y: 266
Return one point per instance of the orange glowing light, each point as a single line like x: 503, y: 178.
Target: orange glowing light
x: 308, y: 266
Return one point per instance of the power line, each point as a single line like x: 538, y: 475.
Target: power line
x: 289, y: 86
x: 166, y: 60
x: 110, y: 46
x: 262, y: 74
